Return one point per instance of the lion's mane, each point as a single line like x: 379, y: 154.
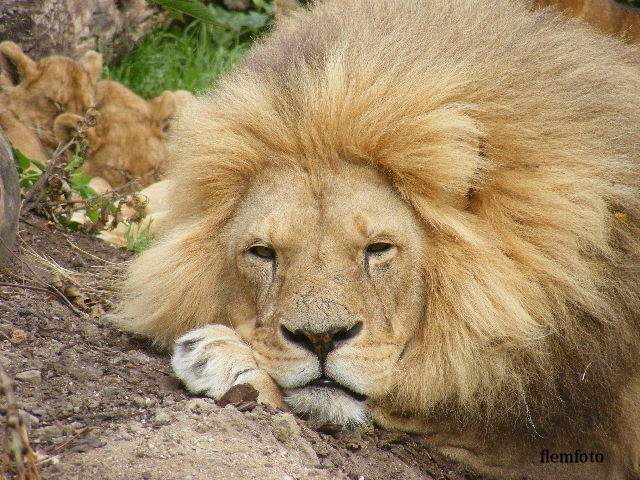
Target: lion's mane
x: 514, y: 135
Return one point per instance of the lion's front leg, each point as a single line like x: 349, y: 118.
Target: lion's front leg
x: 214, y: 358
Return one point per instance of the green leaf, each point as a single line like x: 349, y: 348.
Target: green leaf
x: 93, y: 215
x: 75, y: 163
x: 141, y: 239
x: 21, y: 160
x: 38, y: 164
x: 191, y: 7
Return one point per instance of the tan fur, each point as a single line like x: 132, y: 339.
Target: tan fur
x: 606, y: 15
x: 497, y: 150
x: 127, y: 143
x: 33, y: 93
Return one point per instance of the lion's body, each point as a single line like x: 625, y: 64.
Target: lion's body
x: 503, y: 316
x: 128, y: 142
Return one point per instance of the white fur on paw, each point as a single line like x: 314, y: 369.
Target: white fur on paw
x: 212, y: 359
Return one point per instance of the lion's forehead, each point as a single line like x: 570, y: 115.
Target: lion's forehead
x: 350, y: 202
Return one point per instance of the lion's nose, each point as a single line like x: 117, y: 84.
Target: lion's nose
x: 320, y: 343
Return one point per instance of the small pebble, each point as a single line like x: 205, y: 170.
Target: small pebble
x: 31, y: 421
x: 18, y: 336
x: 161, y: 418
x: 31, y: 376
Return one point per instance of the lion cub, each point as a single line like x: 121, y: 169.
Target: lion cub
x: 126, y: 146
x: 34, y: 93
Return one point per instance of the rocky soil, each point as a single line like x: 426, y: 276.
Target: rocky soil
x: 101, y: 404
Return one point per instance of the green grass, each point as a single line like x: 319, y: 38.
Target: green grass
x: 192, y: 56
x: 139, y: 237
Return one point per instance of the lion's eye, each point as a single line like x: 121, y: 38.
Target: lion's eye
x: 378, y: 247
x: 263, y: 251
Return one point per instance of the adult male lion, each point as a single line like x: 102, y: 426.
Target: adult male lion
x: 423, y: 211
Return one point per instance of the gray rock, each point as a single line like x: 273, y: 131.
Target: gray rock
x: 84, y: 373
x: 30, y: 376
x: 285, y: 428
x: 91, y: 332
x: 31, y: 421
x: 161, y: 418
x: 9, y: 198
x: 50, y: 432
x: 138, y: 401
x: 71, y: 27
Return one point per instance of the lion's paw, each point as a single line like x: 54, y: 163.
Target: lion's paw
x: 213, y: 359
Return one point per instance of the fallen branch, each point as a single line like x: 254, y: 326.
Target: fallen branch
x: 81, y: 434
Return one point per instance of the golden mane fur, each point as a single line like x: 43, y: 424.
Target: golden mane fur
x: 514, y: 136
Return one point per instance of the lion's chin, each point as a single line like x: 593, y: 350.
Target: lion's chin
x: 327, y: 405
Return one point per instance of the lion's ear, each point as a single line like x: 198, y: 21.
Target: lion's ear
x: 163, y: 108
x: 15, y: 65
x: 92, y: 63
x: 445, y: 170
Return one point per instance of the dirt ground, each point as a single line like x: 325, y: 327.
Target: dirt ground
x: 101, y: 404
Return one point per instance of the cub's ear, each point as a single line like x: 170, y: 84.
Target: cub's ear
x: 15, y: 65
x: 163, y: 108
x: 66, y: 125
x: 92, y: 63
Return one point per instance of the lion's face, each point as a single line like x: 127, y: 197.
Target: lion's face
x: 37, y: 92
x: 127, y: 143
x: 328, y: 267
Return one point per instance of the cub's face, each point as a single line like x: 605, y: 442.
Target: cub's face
x: 330, y: 286
x: 128, y: 141
x: 37, y: 92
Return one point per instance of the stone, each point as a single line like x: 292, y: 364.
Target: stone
x: 18, y: 336
x: 30, y: 376
x: 31, y: 421
x: 71, y: 27
x: 200, y: 405
x: 9, y: 198
x: 138, y: 401
x: 91, y: 332
x: 161, y: 418
x: 239, y: 394
x: 84, y: 373
x: 285, y: 428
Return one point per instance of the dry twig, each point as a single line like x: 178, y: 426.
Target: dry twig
x: 38, y: 187
x: 18, y: 457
